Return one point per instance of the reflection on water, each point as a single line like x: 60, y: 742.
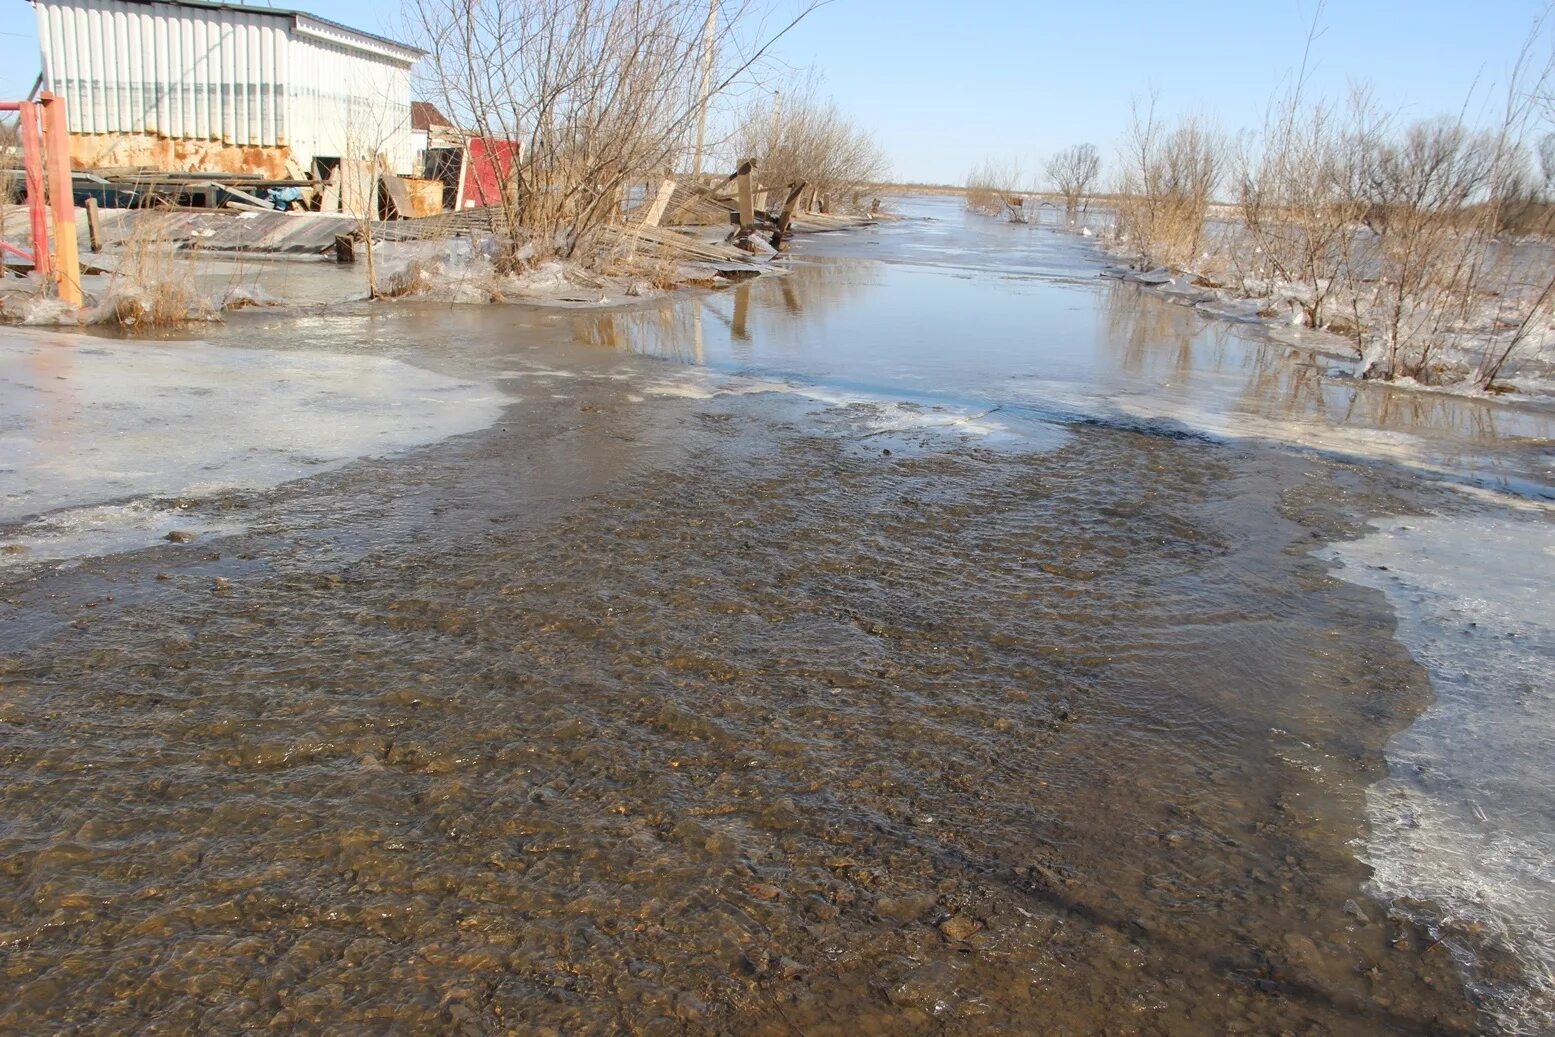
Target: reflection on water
x: 1033, y: 328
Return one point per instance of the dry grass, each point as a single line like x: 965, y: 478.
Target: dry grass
x: 153, y: 285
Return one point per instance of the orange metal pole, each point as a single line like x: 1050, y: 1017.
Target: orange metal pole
x: 56, y: 141
x: 32, y: 163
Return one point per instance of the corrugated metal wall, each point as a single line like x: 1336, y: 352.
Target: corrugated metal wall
x: 240, y: 77
x: 343, y: 105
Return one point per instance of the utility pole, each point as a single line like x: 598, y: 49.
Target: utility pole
x: 777, y: 120
x: 707, y: 87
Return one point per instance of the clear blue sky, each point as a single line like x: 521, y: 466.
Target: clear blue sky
x: 945, y: 84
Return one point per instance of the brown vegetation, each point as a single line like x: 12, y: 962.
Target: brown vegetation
x: 1166, y: 181
x: 152, y: 286
x: 601, y: 96
x: 1406, y: 238
x: 811, y: 141
x: 994, y: 188
x: 1072, y: 173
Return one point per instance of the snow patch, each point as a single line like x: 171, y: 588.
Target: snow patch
x: 106, y: 529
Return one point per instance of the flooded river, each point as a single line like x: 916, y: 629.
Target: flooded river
x: 937, y: 638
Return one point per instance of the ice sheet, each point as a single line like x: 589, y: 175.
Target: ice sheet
x: 1466, y: 816
x: 86, y: 422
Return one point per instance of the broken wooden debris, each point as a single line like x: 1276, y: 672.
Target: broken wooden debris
x: 787, y: 216
x: 94, y: 229
x: 660, y: 203
x: 395, y: 191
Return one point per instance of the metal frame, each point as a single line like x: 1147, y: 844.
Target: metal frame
x: 46, y: 150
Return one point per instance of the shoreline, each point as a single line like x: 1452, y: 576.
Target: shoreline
x: 450, y: 270
x: 1327, y: 345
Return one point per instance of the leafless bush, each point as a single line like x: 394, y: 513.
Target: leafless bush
x: 599, y: 94
x: 1072, y: 173
x: 1415, y: 189
x: 1431, y: 245
x: 1297, y: 201
x: 1166, y: 183
x: 991, y: 187
x: 812, y: 141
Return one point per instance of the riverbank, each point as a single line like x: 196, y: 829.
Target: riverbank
x: 160, y: 270
x: 1500, y: 344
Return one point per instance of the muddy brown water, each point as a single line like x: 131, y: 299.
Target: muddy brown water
x: 701, y: 716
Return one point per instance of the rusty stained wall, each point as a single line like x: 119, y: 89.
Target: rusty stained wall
x: 135, y: 150
x: 426, y: 196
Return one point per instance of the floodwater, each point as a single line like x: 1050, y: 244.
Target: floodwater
x: 935, y: 639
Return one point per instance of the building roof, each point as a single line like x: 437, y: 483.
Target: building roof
x: 425, y: 116
x: 303, y: 20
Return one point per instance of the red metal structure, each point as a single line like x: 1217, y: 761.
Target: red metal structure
x: 46, y: 149
x: 488, y: 166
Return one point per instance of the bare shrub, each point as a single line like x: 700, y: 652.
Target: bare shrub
x: 1072, y: 173
x: 600, y: 95
x: 994, y: 187
x: 1166, y: 183
x: 1431, y: 245
x: 812, y: 141
x: 1296, y: 197
x: 1416, y: 189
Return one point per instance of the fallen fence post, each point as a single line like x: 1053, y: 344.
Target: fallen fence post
x: 788, y: 213
x: 747, y: 197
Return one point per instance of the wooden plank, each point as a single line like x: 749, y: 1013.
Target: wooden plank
x: 661, y: 202
x: 329, y: 200
x: 394, y: 187
x: 358, y: 187
x: 251, y: 201
x: 94, y: 230
x: 746, y: 196
x: 787, y: 215
x: 656, y: 240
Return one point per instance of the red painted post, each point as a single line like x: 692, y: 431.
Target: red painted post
x: 62, y: 199
x: 32, y: 162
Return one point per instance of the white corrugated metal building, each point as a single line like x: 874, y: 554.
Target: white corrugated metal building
x: 223, y: 76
